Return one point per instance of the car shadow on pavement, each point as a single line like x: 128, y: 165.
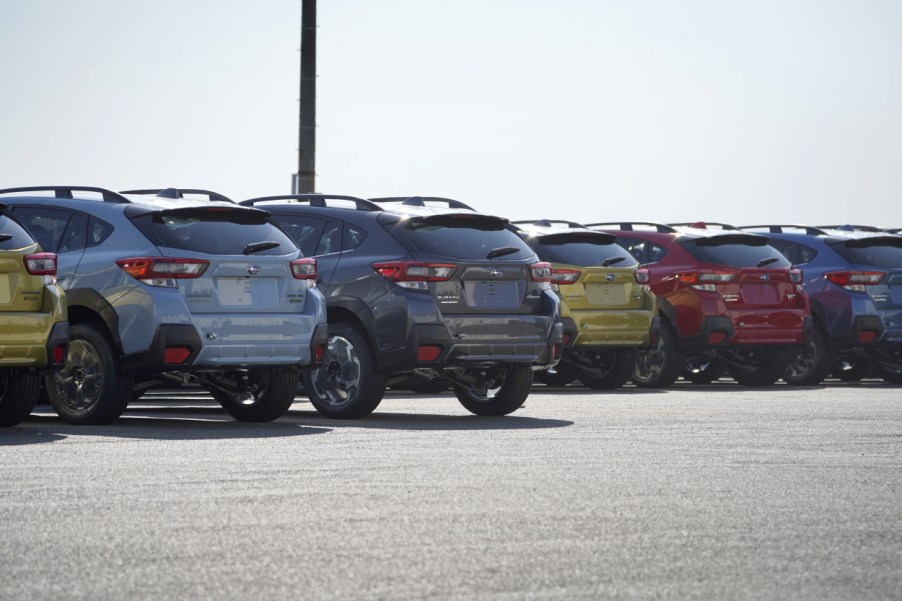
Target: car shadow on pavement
x: 430, y: 421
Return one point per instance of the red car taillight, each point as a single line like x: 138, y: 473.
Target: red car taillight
x: 413, y: 274
x: 41, y: 264
x: 540, y: 272
x: 706, y: 280
x: 795, y: 276
x: 304, y: 269
x: 565, y: 276
x: 163, y: 271
x: 642, y: 276
x: 855, y: 280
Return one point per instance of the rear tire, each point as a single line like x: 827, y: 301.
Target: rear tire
x: 268, y: 395
x: 614, y: 369
x: 347, y: 386
x: 890, y: 373
x: 18, y: 395
x: 510, y: 394
x: 659, y: 365
x: 757, y: 366
x: 90, y: 389
x: 811, y: 363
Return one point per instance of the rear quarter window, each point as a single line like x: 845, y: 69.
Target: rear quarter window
x: 462, y: 237
x: 735, y: 251
x: 12, y: 235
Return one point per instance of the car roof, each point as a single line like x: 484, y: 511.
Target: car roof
x: 413, y: 206
x: 842, y: 232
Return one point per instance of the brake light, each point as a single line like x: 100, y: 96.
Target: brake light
x: 304, y: 269
x: 855, y: 280
x: 565, y: 276
x: 414, y: 275
x: 706, y: 280
x: 540, y: 272
x: 41, y: 264
x: 163, y: 271
x: 642, y: 276
x: 795, y: 276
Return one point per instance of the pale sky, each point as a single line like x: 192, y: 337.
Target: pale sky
x: 785, y: 111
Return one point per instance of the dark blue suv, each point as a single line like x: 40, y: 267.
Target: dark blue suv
x: 853, y: 277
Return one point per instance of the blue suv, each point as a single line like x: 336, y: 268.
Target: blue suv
x: 853, y: 277
x: 167, y: 289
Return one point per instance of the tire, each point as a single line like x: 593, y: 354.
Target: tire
x: 811, y: 363
x: 18, y: 395
x: 890, y: 373
x: 612, y: 369
x: 266, y: 395
x: 757, y: 366
x: 347, y: 386
x: 852, y: 369
x: 660, y: 365
x: 90, y: 389
x: 703, y: 370
x: 503, y: 395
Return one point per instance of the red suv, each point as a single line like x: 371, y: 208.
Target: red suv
x: 727, y: 300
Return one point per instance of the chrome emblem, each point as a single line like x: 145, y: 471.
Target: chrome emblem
x: 496, y: 273
x: 610, y: 277
x: 765, y: 277
x: 254, y: 269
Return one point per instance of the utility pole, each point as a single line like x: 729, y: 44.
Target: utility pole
x: 307, y: 132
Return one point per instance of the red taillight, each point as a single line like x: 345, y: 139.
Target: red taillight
x: 706, y: 280
x: 855, y: 280
x: 540, y: 272
x: 642, y: 276
x: 567, y: 338
x: 59, y: 353
x: 428, y: 352
x: 41, y: 264
x: 163, y: 271
x: 795, y: 276
x: 556, y: 350
x: 867, y: 336
x: 304, y: 269
x: 319, y: 353
x: 565, y: 276
x: 411, y: 271
x: 176, y: 355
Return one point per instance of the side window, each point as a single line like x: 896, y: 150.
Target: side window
x: 655, y: 252
x: 634, y: 247
x: 330, y: 241
x: 786, y: 248
x: 806, y: 254
x: 46, y: 225
x: 98, y: 231
x: 305, y: 231
x: 74, y: 236
x: 353, y: 237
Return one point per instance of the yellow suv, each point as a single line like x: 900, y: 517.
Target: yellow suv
x: 34, y: 331
x: 606, y: 306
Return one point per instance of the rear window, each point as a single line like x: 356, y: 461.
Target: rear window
x: 590, y: 252
x: 216, y: 232
x: 12, y: 235
x: 462, y: 236
x: 878, y: 252
x: 735, y: 251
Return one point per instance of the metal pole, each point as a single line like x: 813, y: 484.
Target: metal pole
x: 307, y: 132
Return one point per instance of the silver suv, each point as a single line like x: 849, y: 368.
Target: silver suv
x: 163, y: 289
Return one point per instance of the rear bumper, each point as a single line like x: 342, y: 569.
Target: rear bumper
x: 593, y: 329
x: 865, y: 331
x: 764, y: 329
x: 27, y: 339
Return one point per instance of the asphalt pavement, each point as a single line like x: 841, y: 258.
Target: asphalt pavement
x: 695, y: 492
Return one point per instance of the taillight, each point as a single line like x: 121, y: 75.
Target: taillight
x: 795, y: 276
x: 540, y: 272
x: 706, y: 280
x: 565, y: 276
x: 163, y: 271
x: 41, y: 264
x: 304, y: 269
x: 855, y: 280
x: 642, y: 276
x: 411, y: 274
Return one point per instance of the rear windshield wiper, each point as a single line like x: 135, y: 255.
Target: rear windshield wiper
x: 767, y: 261
x: 255, y: 247
x: 500, y: 252
x: 612, y: 260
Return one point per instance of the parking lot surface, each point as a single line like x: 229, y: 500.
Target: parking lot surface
x: 694, y: 492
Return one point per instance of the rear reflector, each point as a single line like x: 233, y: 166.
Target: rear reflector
x: 867, y: 336
x: 717, y: 337
x: 59, y: 353
x: 176, y: 355
x: 567, y: 338
x: 41, y: 264
x: 163, y: 271
x: 319, y: 353
x: 428, y: 352
x: 556, y: 350
x: 304, y: 269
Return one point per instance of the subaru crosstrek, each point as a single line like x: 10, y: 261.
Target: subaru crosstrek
x: 853, y: 276
x: 169, y: 289
x: 33, y: 327
x: 726, y: 298
x: 607, y: 307
x: 417, y: 293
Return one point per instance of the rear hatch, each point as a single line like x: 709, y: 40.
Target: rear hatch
x: 876, y: 270
x: 20, y: 291
x: 234, y: 259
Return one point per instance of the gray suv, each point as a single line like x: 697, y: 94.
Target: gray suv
x: 163, y: 290
x: 423, y: 292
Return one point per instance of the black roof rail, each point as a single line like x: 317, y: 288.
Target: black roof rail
x: 849, y: 227
x: 629, y: 226
x: 66, y: 192
x: 549, y: 223
x: 781, y: 228
x: 315, y: 200
x: 180, y: 193
x: 703, y: 225
x: 420, y: 201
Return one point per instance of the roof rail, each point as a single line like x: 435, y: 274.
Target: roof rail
x: 704, y: 225
x: 779, y: 229
x: 549, y: 223
x: 180, y: 193
x: 315, y: 200
x: 848, y: 227
x: 66, y: 192
x: 629, y: 226
x: 420, y: 201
